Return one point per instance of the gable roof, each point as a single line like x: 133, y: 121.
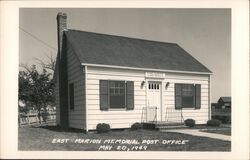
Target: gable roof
x: 102, y: 49
x: 225, y: 99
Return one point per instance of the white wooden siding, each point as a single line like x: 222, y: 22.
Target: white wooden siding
x: 76, y: 75
x: 120, y: 118
x: 125, y: 118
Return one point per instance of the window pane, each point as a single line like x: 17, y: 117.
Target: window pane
x: 111, y: 84
x: 116, y: 91
x: 112, y: 91
x: 122, y: 91
x: 117, y: 84
x: 188, y: 102
x: 117, y: 101
x: 117, y: 94
x: 188, y: 95
x: 122, y: 85
x: 187, y: 90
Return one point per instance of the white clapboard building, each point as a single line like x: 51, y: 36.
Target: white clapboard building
x: 119, y: 80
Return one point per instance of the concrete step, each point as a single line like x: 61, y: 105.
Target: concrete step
x: 172, y: 127
x: 164, y: 125
x: 169, y: 124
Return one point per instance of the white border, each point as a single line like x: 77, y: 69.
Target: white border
x: 9, y: 75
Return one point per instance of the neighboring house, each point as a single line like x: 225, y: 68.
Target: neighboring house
x: 222, y: 109
x: 224, y: 102
x: 118, y: 80
x: 213, y: 105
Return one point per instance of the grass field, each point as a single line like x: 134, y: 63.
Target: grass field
x: 52, y: 138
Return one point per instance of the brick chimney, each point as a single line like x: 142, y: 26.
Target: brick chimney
x: 62, y: 70
x: 61, y: 26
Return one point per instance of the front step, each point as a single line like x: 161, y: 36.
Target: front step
x: 175, y: 125
x: 172, y: 127
x: 163, y: 125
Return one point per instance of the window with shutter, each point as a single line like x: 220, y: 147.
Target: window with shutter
x: 187, y: 96
x: 116, y: 95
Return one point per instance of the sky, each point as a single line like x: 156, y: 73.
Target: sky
x: 203, y: 33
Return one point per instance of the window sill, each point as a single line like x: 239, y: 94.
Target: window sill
x: 193, y: 108
x: 117, y: 109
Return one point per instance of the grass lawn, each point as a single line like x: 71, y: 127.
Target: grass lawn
x: 224, y: 131
x: 42, y: 138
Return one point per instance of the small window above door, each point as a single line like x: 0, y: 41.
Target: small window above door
x: 153, y: 86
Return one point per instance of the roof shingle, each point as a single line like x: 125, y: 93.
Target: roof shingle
x: 226, y: 99
x: 95, y: 48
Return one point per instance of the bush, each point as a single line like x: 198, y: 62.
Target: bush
x: 102, y: 128
x: 223, y: 119
x: 136, y: 126
x: 214, y: 122
x: 227, y: 120
x: 189, y: 122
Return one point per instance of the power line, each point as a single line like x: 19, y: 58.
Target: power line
x: 38, y: 39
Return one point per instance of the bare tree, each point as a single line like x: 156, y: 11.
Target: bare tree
x: 50, y: 64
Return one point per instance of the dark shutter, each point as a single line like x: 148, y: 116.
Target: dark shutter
x: 130, y: 95
x: 178, y: 100
x: 71, y: 96
x: 193, y: 94
x: 197, y: 96
x: 104, y: 96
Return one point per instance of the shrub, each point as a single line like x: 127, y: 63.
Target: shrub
x: 223, y: 119
x: 189, y: 122
x: 149, y: 126
x: 227, y: 119
x: 136, y: 126
x: 102, y: 128
x: 214, y: 122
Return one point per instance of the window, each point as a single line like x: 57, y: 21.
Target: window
x: 154, y: 86
x: 71, y: 96
x: 187, y: 96
x: 116, y: 94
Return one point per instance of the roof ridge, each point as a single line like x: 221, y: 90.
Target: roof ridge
x: 97, y: 33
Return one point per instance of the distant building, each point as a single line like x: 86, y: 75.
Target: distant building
x: 213, y: 105
x: 224, y: 102
x: 222, y: 109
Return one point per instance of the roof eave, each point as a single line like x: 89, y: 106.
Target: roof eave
x: 144, y: 69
